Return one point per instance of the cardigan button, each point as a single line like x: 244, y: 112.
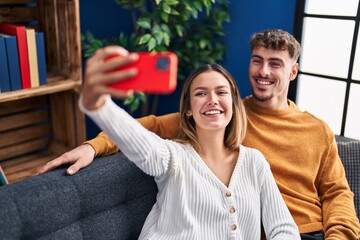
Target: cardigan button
x: 232, y: 210
x: 228, y: 194
x: 233, y: 227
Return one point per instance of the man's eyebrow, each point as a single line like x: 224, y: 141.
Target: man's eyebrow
x: 276, y: 59
x: 256, y: 56
x: 270, y: 59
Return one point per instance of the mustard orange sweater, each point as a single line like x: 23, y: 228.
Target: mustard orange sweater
x: 302, y: 153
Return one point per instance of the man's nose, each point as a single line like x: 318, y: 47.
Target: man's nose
x: 264, y: 70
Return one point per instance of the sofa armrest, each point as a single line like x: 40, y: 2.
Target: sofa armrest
x: 349, y: 152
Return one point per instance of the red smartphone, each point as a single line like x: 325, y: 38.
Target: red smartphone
x: 157, y: 73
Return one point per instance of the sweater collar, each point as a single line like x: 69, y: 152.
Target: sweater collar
x: 250, y: 106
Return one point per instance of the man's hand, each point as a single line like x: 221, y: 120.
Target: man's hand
x: 78, y: 157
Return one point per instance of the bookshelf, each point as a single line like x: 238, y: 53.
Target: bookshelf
x: 38, y: 124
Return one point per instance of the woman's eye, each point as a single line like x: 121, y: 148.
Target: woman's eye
x: 200, y: 94
x: 222, y: 92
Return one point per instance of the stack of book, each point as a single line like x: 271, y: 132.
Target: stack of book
x: 22, y: 58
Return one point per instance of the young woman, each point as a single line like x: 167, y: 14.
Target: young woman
x: 210, y: 186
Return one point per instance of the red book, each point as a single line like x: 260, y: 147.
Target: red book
x: 20, y: 33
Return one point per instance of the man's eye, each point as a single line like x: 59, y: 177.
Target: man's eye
x: 256, y: 61
x: 275, y: 64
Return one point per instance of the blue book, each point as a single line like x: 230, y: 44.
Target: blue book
x: 3, y: 179
x: 13, y: 61
x: 40, y: 49
x: 4, y: 70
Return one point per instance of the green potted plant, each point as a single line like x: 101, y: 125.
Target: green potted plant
x: 190, y: 28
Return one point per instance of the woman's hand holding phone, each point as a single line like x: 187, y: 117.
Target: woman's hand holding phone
x: 99, y: 73
x: 115, y: 71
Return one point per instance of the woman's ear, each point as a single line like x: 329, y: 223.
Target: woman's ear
x: 188, y: 113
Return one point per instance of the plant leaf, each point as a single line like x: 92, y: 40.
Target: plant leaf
x: 159, y: 36
x: 151, y: 44
x: 129, y: 100
x: 166, y: 39
x: 203, y: 43
x: 179, y: 30
x: 198, y: 6
x: 141, y: 96
x: 172, y: 2
x: 145, y: 38
x: 134, y: 105
x: 144, y: 23
x: 164, y: 16
x: 166, y: 8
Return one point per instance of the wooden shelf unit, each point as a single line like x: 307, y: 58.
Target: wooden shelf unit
x: 39, y: 124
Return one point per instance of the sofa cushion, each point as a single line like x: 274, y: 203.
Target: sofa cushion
x: 109, y: 199
x: 349, y: 153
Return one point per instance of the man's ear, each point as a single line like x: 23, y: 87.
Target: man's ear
x: 294, y: 71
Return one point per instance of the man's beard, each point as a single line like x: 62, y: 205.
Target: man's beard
x: 261, y: 98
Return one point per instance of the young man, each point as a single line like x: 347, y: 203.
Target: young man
x: 300, y: 148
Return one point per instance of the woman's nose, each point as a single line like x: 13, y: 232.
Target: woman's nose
x: 213, y: 100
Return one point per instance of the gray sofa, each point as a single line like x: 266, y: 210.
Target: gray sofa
x: 110, y: 199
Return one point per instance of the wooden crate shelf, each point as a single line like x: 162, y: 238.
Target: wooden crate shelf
x: 26, y: 166
x: 52, y: 87
x: 38, y: 124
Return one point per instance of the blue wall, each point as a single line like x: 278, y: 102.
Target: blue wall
x: 106, y: 19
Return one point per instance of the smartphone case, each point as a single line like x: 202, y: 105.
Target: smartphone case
x: 157, y: 73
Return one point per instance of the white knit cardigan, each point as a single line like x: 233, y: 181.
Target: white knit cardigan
x: 192, y: 203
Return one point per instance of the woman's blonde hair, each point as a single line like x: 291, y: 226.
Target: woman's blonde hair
x: 235, y: 130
